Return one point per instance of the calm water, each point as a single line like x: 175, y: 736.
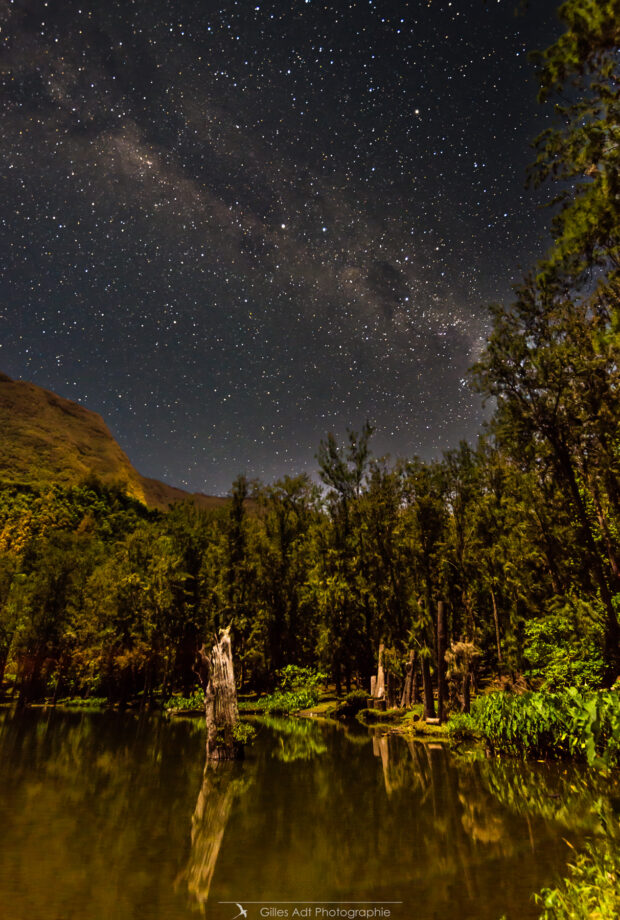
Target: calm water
x: 108, y: 816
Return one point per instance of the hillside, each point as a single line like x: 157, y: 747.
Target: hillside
x: 45, y: 438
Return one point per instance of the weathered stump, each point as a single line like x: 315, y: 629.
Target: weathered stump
x: 215, y: 671
x: 379, y: 691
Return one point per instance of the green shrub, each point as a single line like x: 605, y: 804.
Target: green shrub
x: 195, y: 701
x: 372, y: 716
x: 592, y: 889
x: 244, y: 733
x: 571, y: 724
x: 461, y: 726
x: 355, y: 697
x: 298, y: 688
x: 564, y: 648
x: 353, y: 703
x: 293, y: 678
x: 88, y: 702
x: 292, y: 701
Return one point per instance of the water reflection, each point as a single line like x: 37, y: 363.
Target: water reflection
x: 298, y: 739
x: 221, y: 784
x: 107, y: 815
x: 95, y: 811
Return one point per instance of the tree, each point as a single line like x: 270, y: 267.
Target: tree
x: 552, y: 359
x: 426, y: 513
x: 581, y: 153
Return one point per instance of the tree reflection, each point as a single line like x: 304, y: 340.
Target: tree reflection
x: 222, y: 783
x: 298, y: 739
x: 109, y: 815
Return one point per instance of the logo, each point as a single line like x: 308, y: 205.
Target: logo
x: 242, y: 912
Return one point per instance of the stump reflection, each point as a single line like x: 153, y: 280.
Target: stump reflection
x: 222, y: 783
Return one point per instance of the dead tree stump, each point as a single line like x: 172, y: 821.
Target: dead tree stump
x: 379, y: 691
x: 215, y: 672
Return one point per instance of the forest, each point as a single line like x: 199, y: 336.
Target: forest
x: 516, y: 536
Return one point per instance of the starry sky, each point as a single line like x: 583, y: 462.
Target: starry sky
x: 233, y: 227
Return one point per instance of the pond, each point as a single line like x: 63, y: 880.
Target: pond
x: 113, y: 816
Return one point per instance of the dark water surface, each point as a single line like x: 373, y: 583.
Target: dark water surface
x: 106, y: 816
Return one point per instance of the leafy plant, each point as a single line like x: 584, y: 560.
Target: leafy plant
x: 298, y: 689
x: 195, y: 701
x: 591, y: 890
x: 461, y: 726
x: 244, y: 733
x: 563, y: 648
x: 571, y: 724
x: 353, y: 703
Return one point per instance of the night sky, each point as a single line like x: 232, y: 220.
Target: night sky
x: 233, y: 227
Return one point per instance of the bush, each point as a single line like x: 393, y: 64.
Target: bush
x: 89, y: 702
x: 182, y: 703
x: 244, y: 733
x: 353, y: 703
x: 292, y: 701
x: 298, y: 688
x: 564, y: 648
x: 461, y: 726
x: 571, y: 724
x: 294, y: 678
x: 372, y: 716
x: 592, y: 889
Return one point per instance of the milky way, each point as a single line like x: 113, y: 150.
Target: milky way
x: 233, y: 227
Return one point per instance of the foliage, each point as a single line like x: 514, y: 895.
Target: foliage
x: 563, y: 649
x: 299, y: 688
x: 186, y: 703
x: 591, y: 889
x: 353, y: 702
x: 293, y: 701
x: 89, y: 702
x: 371, y: 716
x: 462, y: 726
x: 294, y: 678
x: 571, y: 724
x: 580, y: 151
x: 244, y: 733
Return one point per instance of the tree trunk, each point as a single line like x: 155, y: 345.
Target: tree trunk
x: 496, y: 619
x: 392, y: 688
x: 415, y: 689
x: 215, y: 672
x: 442, y: 636
x: 338, y: 677
x: 3, y: 660
x: 407, y: 697
x: 611, y: 639
x: 62, y: 670
x: 380, y: 682
x: 466, y: 692
x: 429, y: 702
